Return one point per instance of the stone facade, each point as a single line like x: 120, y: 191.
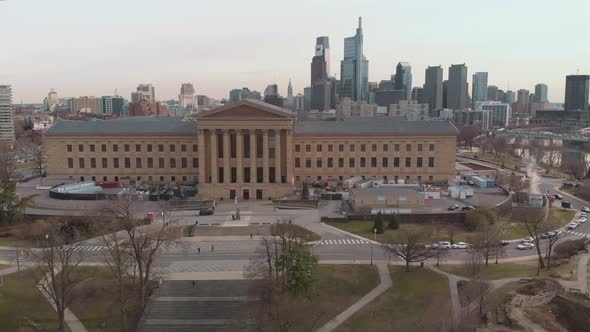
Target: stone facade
x: 249, y: 150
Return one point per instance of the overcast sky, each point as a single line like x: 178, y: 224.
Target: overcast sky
x: 91, y: 47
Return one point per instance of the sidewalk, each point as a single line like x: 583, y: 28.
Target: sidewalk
x: 385, y: 284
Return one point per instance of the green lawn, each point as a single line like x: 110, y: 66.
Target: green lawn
x: 509, y: 161
x: 22, y: 303
x: 419, y: 300
x: 511, y: 229
x: 513, y: 270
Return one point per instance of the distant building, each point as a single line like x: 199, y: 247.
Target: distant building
x: 433, y: 87
x: 299, y: 103
x: 411, y: 112
x: 203, y: 101
x: 386, y: 94
x: 479, y: 86
x: 403, y: 79
x: 7, y: 135
x: 236, y: 95
x: 186, y: 98
x: 144, y: 92
x: 113, y: 105
x: 418, y: 95
x: 541, y: 92
x: 271, y: 95
x: 86, y: 104
x: 493, y: 93
x: 354, y: 68
x: 307, y: 98
x: 481, y: 118
x: 457, y: 87
x: 577, y: 89
x: 148, y: 108
x: 51, y: 101
x: 350, y: 108
x: 509, y: 97
x: 499, y: 112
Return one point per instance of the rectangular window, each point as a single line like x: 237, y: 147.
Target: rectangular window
x: 103, y: 148
x: 161, y: 163
x: 363, y: 162
x: 150, y: 162
x: 396, y: 162
x: 408, y: 161
x: 419, y: 147
x: 408, y: 147
x: 69, y: 147
x: 91, y: 147
x: 126, y: 146
x: 92, y: 162
x: 149, y: 148
x: 70, y: 162
x: 115, y: 162
x: 297, y: 163
x: 195, y: 162
x: 396, y: 147
x: 340, y: 162
x: 81, y: 162
x: 183, y: 163
x: 195, y: 148
x: 160, y: 147
x: 431, y: 148
x: 105, y: 163
x: 363, y: 148
x: 307, y: 162
x: 330, y: 148
x: 183, y: 148
x: 307, y: 147
x: 430, y: 178
x: 385, y: 162
x: 385, y: 147
x: 373, y: 162
x: 138, y: 162
x: 115, y: 148
x: 374, y: 147
x: 172, y: 148
x: 430, y: 161
x: 340, y: 147
x: 318, y: 148
x: 127, y: 162
x: 81, y: 147
x: 351, y: 162
x: 172, y: 162
x: 319, y: 162
x: 297, y: 148
x: 351, y: 147
x: 419, y: 162
x: 330, y: 162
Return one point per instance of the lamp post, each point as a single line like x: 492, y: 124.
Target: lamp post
x: 371, y: 255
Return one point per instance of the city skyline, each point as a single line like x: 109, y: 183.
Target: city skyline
x: 82, y: 61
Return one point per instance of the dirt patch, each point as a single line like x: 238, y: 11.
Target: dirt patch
x: 470, y: 291
x: 542, y: 316
x: 536, y: 286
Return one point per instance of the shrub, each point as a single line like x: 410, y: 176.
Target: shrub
x: 378, y: 224
x: 393, y: 222
x: 569, y: 248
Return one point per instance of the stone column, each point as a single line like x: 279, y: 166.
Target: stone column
x: 226, y: 157
x: 239, y: 156
x: 278, y: 159
x: 202, y: 170
x: 252, y: 155
x: 213, y: 139
x: 289, y: 154
x: 265, y: 148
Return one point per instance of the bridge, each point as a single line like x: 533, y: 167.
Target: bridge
x: 544, y: 135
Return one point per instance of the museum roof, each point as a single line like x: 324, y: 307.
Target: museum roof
x: 130, y: 125
x: 375, y: 125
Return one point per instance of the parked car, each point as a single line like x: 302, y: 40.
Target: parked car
x: 586, y: 209
x: 582, y: 220
x: 527, y: 239
x: 558, y: 196
x: 453, y: 207
x: 460, y: 245
x: 206, y: 212
x: 442, y: 245
x: 584, y: 215
x: 572, y: 225
x: 566, y: 205
x: 504, y: 243
x: 524, y: 246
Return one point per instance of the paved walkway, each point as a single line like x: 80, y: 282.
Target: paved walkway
x: 455, y: 301
x: 385, y: 284
x: 71, y: 321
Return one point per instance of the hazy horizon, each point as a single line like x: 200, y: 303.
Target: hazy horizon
x: 92, y: 48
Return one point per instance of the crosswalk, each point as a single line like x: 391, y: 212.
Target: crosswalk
x: 90, y: 248
x: 576, y: 233
x: 342, y: 242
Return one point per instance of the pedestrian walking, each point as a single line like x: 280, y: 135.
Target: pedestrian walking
x: 199, y: 250
x: 251, y: 236
x: 212, y: 248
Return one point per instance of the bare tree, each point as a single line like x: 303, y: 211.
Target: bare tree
x: 58, y: 262
x: 409, y: 246
x: 534, y: 221
x: 7, y: 163
x: 486, y: 241
x: 143, y: 240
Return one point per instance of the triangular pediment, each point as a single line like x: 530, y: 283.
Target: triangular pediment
x: 246, y: 109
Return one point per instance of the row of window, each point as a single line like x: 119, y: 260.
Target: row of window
x: 363, y: 147
x: 150, y: 178
x: 396, y: 178
x: 138, y: 163
x: 127, y: 147
x: 363, y: 162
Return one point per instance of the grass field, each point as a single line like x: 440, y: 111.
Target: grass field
x: 22, y: 305
x: 511, y: 229
x: 419, y: 300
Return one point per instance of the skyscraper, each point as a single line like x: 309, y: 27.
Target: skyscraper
x: 403, y: 79
x: 433, y: 87
x: 144, y: 92
x: 354, y: 68
x: 186, y: 98
x: 51, y: 101
x: 509, y: 97
x: 522, y: 96
x: 290, y: 94
x: 322, y: 84
x: 113, y: 105
x: 6, y: 115
x: 271, y: 95
x: 541, y: 91
x: 457, y: 87
x: 576, y: 92
x: 479, y: 86
x: 493, y: 93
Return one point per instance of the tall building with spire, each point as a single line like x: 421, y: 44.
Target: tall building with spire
x: 354, y: 68
x: 290, y: 95
x: 322, y: 86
